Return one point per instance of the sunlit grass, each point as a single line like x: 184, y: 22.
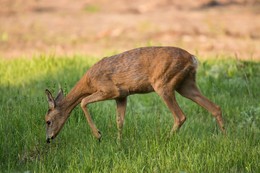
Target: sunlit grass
x: 199, y: 147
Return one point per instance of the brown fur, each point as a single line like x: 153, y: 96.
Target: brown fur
x: 141, y: 70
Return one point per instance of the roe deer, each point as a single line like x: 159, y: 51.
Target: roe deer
x: 142, y: 70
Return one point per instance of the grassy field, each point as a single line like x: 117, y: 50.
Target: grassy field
x: 199, y: 147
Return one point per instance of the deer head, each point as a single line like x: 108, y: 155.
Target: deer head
x: 55, y: 117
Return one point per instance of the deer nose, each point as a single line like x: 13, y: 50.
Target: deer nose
x: 48, y: 140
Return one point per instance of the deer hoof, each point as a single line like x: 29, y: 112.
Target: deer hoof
x: 99, y: 136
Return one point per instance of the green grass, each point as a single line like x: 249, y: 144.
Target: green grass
x: 199, y: 147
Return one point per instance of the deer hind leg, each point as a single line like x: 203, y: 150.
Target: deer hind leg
x: 95, y: 97
x: 189, y: 90
x: 121, y: 108
x: 168, y: 97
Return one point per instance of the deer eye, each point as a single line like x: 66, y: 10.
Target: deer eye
x: 48, y: 123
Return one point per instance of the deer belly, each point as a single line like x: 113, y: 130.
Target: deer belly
x: 137, y: 88
x: 132, y: 84
x: 141, y: 89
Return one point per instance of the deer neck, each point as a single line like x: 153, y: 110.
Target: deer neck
x: 74, y: 97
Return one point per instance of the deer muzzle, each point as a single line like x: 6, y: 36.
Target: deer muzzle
x: 48, y: 139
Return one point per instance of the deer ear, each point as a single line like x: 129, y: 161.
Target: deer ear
x: 50, y: 99
x: 60, y: 96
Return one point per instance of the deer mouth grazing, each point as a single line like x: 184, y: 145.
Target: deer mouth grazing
x: 48, y: 140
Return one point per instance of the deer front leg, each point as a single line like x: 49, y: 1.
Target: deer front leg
x: 98, y: 96
x: 121, y: 108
